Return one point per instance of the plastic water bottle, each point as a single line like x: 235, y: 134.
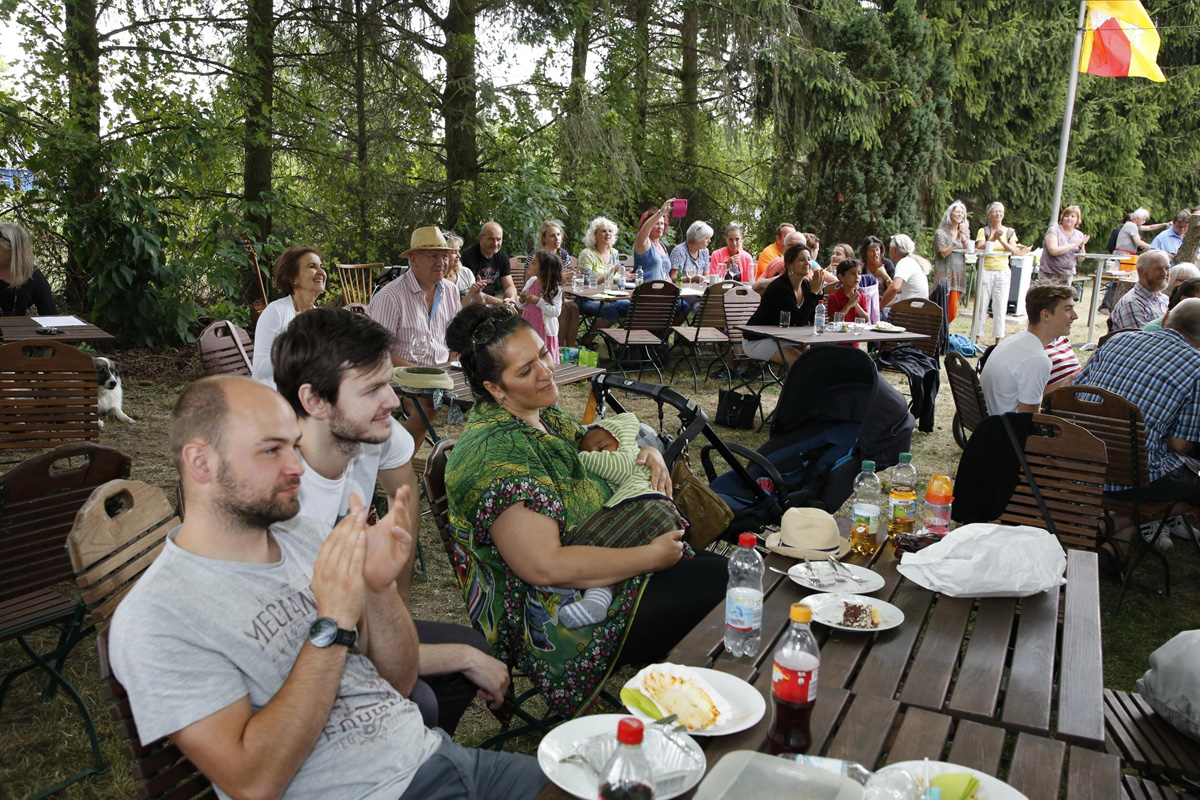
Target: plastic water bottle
x: 628, y: 774
x: 903, y: 497
x: 866, y: 511
x: 621, y: 277
x: 744, y: 599
x: 939, y: 495
x: 819, y: 319
x: 639, y: 277
x: 794, y: 685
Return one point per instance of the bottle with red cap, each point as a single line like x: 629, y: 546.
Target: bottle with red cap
x: 794, y: 685
x: 628, y: 775
x: 939, y: 497
x: 744, y: 599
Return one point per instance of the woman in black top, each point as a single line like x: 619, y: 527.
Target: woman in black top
x: 788, y: 293
x: 21, y: 283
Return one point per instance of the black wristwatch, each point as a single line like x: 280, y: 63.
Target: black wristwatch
x: 325, y: 632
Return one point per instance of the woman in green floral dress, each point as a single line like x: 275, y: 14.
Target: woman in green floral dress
x: 515, y: 487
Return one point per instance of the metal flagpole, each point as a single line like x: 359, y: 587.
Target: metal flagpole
x: 1065, y: 140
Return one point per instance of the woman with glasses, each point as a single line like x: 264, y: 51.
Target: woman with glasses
x: 516, y: 488
x: 22, y: 284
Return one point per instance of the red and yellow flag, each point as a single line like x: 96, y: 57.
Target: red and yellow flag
x: 1120, y: 41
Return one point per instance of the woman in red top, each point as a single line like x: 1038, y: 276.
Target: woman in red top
x: 847, y: 298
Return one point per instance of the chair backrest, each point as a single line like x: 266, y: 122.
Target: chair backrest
x: 48, y: 395
x: 710, y: 313
x: 358, y: 281
x: 652, y: 306
x: 517, y: 266
x: 968, y: 393
x: 1113, y: 420
x: 739, y: 305
x: 356, y: 308
x: 1106, y: 337
x: 920, y: 316
x: 118, y: 533
x: 1068, y: 464
x: 44, y: 493
x: 433, y: 481
x: 626, y: 260
x: 225, y: 349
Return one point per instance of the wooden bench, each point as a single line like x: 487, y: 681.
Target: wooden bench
x: 1146, y: 741
x: 1133, y: 788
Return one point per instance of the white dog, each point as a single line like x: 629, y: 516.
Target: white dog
x: 108, y: 376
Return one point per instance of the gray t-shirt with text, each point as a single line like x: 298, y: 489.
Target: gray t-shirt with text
x: 196, y: 635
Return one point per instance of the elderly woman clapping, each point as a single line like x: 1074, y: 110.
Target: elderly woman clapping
x: 949, y: 242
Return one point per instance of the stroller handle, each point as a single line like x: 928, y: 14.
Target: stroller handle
x: 664, y: 394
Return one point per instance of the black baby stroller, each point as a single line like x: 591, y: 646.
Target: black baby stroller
x: 835, y: 411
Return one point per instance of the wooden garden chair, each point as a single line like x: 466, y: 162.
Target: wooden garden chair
x: 970, y: 406
x: 358, y: 282
x: 1110, y: 335
x: 225, y: 349
x: 920, y: 316
x: 517, y: 266
x: 739, y: 305
x: 1120, y: 425
x: 357, y: 308
x: 43, y: 495
x: 119, y: 532
x: 1147, y: 742
x: 707, y: 329
x: 645, y: 327
x: 48, y: 395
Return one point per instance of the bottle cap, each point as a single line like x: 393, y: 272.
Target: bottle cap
x: 801, y: 613
x: 747, y: 539
x: 906, y: 458
x: 868, y: 466
x: 629, y: 730
x: 940, y: 490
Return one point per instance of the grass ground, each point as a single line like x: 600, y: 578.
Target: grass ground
x: 43, y: 741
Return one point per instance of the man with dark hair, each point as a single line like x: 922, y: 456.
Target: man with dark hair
x: 333, y: 368
x: 277, y: 654
x: 775, y: 249
x: 1018, y: 369
x: 1169, y: 240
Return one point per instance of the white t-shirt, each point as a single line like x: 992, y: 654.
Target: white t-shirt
x: 327, y: 501
x: 916, y: 285
x: 195, y: 635
x: 273, y: 321
x: 1017, y: 371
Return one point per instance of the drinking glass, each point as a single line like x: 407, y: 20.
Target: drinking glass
x: 785, y: 319
x: 690, y: 271
x: 578, y: 281
x: 418, y: 349
x: 838, y: 318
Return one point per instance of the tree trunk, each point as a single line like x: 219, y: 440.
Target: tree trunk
x: 569, y: 132
x: 360, y: 112
x: 1191, y: 244
x: 641, y: 78
x: 84, y: 174
x: 689, y: 90
x: 460, y: 107
x: 260, y: 98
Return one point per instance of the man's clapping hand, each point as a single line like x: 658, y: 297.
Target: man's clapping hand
x: 338, y: 581
x: 389, y: 542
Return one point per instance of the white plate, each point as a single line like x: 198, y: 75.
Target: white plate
x: 989, y: 788
x: 827, y: 610
x: 577, y: 780
x: 890, y: 329
x: 746, y: 703
x: 874, y: 581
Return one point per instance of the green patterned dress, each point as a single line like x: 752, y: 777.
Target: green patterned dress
x: 500, y: 461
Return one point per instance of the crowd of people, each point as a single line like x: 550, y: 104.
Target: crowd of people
x: 273, y: 639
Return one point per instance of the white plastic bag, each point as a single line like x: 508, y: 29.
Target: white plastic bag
x: 987, y: 560
x: 1172, y: 684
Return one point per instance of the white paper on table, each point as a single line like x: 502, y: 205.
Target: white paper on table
x: 59, y: 322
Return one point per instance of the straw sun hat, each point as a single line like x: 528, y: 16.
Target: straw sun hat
x: 428, y: 238
x: 808, y: 533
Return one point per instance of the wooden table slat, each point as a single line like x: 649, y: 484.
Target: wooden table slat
x: 931, y: 671
x: 922, y: 734
x: 1092, y: 775
x: 16, y: 329
x: 977, y: 746
x: 977, y: 690
x: 889, y: 655
x: 1031, y: 678
x: 1080, y: 717
x: 865, y: 730
x: 841, y: 653
x: 1036, y: 769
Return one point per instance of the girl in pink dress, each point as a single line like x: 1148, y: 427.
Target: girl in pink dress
x: 541, y: 299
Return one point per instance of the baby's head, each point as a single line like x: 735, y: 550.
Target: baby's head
x: 599, y: 440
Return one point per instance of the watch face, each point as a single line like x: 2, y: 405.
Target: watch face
x: 322, y: 632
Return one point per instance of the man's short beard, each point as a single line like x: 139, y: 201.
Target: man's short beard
x: 255, y: 513
x: 351, y: 436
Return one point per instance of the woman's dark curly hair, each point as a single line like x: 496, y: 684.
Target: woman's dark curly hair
x: 477, y: 334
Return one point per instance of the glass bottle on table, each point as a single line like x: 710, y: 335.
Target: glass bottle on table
x: 628, y: 774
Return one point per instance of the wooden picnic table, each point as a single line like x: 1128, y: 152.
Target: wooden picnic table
x: 605, y: 295
x: 15, y: 329
x: 959, y: 680
x: 806, y: 334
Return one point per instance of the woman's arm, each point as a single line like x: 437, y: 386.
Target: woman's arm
x: 642, y: 243
x: 1053, y: 246
x: 944, y: 252
x: 529, y: 544
x: 1009, y: 240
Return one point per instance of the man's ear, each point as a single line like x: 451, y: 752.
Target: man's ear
x: 315, y: 406
x: 199, y: 461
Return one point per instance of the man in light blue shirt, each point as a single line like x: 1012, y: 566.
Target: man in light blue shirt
x: 1170, y: 239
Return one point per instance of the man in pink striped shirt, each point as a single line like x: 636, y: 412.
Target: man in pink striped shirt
x: 417, y: 307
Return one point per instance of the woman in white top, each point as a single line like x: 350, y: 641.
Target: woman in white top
x: 300, y: 275
x: 458, y: 274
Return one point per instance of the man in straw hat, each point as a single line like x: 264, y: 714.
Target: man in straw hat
x: 416, y: 308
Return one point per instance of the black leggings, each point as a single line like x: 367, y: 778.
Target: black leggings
x: 674, y: 602
x: 443, y: 699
